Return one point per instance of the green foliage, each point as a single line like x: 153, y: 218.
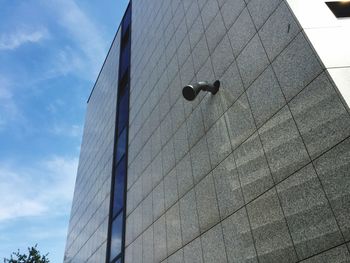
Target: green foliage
x: 32, y: 257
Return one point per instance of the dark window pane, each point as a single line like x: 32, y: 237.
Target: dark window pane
x: 121, y: 147
x: 339, y: 8
x: 116, y: 237
x: 123, y: 110
x: 126, y: 19
x: 125, y: 58
x: 125, y: 40
x: 119, y: 181
x: 123, y: 81
x: 125, y: 62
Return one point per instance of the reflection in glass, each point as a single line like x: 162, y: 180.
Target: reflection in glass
x: 125, y: 55
x: 119, y: 182
x: 117, y: 220
x: 116, y: 237
x: 123, y: 109
x: 126, y: 20
x: 121, y: 147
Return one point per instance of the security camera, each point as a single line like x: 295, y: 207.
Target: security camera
x: 190, y: 92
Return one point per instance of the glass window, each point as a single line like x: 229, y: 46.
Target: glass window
x: 124, y: 69
x: 126, y: 20
x: 121, y: 147
x: 125, y: 40
x: 119, y: 182
x: 125, y: 58
x: 116, y: 223
x: 123, y: 110
x: 116, y: 237
x: 339, y: 8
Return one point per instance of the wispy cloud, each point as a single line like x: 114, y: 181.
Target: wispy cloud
x: 9, y: 111
x: 55, y: 106
x: 43, y: 188
x: 62, y: 172
x: 67, y: 130
x: 91, y: 45
x: 67, y: 60
x: 21, y: 37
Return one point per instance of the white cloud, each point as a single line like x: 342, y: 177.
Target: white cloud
x: 8, y: 108
x: 91, y: 45
x: 62, y: 173
x: 67, y: 60
x: 21, y: 37
x: 55, y: 106
x: 44, y: 188
x: 73, y: 130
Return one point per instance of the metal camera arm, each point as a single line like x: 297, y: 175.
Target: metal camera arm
x: 190, y: 92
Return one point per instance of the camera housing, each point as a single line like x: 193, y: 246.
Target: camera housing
x: 191, y: 91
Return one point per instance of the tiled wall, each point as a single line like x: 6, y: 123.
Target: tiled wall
x: 259, y: 172
x: 88, y: 226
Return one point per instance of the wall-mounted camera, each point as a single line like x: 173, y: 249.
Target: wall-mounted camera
x: 190, y: 92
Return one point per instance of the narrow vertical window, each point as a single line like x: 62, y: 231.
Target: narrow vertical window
x: 116, y: 229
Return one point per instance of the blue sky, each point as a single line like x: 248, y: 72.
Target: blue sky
x: 50, y: 54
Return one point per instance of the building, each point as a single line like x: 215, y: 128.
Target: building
x: 259, y: 172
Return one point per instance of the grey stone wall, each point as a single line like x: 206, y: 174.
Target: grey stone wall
x: 258, y: 172
x: 88, y: 226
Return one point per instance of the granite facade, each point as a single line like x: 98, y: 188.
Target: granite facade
x: 88, y: 225
x: 257, y: 173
